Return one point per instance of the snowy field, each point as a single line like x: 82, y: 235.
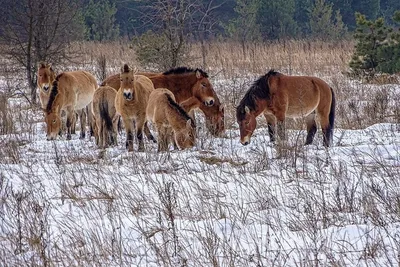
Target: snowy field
x: 67, y: 203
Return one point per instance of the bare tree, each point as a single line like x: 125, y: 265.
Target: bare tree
x: 38, y: 30
x: 177, y: 21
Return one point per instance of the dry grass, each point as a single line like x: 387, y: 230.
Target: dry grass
x: 68, y: 204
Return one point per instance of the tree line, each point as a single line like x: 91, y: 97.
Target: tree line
x: 41, y: 30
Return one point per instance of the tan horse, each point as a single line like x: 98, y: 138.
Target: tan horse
x: 192, y: 89
x: 45, y: 78
x: 170, y: 120
x: 278, y: 96
x: 105, y: 116
x: 70, y: 91
x: 131, y: 102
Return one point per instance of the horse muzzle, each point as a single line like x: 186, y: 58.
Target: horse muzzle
x: 245, y: 141
x: 209, y: 102
x: 128, y: 96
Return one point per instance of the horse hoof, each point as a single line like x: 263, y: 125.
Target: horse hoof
x: 68, y: 137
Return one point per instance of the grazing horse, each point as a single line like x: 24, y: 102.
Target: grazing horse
x: 105, y: 116
x: 131, y: 102
x: 279, y: 96
x: 192, y: 89
x: 171, y: 120
x: 45, y: 78
x: 70, y: 91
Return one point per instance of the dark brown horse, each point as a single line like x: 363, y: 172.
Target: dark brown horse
x: 191, y: 88
x: 278, y: 96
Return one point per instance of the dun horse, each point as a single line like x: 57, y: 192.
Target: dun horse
x: 105, y: 116
x: 192, y: 89
x: 45, y: 78
x: 278, y: 96
x: 70, y: 91
x: 131, y: 102
x: 171, y: 120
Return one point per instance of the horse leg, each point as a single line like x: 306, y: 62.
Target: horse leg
x: 311, y: 128
x: 73, y: 122
x: 271, y: 120
x: 70, y: 120
x: 139, y: 132
x: 105, y: 136
x: 114, y: 140
x: 82, y: 119
x: 148, y: 133
x: 91, y: 119
x: 162, y: 138
x: 128, y: 123
x: 326, y: 130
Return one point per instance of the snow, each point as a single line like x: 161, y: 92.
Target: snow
x: 218, y: 204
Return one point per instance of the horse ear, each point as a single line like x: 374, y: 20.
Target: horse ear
x: 189, y: 124
x: 246, y: 109
x: 198, y: 74
x: 48, y: 65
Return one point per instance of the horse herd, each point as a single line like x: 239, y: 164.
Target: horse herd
x: 168, y: 100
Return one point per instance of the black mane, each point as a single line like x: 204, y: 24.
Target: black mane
x: 181, y: 111
x: 53, y: 93
x: 259, y: 90
x: 182, y: 70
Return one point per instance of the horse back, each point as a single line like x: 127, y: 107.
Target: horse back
x: 112, y: 81
x: 301, y: 95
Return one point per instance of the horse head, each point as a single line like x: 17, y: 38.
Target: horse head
x: 203, y: 89
x: 186, y: 137
x: 127, y: 81
x: 53, y: 122
x: 46, y: 76
x: 246, y: 119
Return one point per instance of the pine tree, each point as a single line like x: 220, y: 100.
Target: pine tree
x: 322, y: 24
x: 100, y: 19
x: 377, y: 47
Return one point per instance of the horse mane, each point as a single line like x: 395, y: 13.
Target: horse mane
x: 53, y: 93
x: 126, y: 68
x: 180, y: 110
x: 258, y: 90
x: 182, y: 70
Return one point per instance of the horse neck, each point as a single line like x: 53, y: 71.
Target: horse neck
x: 261, y: 105
x: 181, y: 85
x: 175, y: 118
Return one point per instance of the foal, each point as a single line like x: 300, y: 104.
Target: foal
x: 170, y: 119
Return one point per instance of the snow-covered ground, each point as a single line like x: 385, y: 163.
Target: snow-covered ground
x: 218, y: 204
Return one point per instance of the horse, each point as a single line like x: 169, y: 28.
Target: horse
x: 278, y: 96
x: 45, y: 78
x: 105, y: 116
x: 131, y: 102
x: 170, y: 120
x: 70, y: 91
x: 192, y: 89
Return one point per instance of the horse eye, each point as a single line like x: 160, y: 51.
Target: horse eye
x: 54, y: 121
x: 247, y: 122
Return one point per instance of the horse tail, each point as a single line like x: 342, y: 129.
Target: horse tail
x: 332, y: 115
x: 105, y: 116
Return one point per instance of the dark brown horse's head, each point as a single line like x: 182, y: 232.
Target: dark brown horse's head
x: 214, y: 117
x: 203, y: 89
x: 127, y: 81
x: 53, y: 122
x: 246, y: 119
x: 45, y: 76
x: 210, y: 105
